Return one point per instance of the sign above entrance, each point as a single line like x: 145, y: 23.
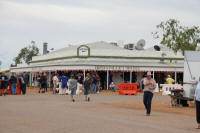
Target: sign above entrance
x: 83, y: 51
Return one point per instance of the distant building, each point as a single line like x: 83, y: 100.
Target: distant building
x: 110, y: 61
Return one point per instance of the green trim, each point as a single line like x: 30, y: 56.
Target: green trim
x: 79, y: 49
x: 107, y: 57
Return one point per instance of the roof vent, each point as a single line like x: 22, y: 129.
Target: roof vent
x: 157, y: 48
x: 129, y: 46
x: 140, y: 44
x: 198, y: 47
x: 45, y: 45
x: 120, y: 43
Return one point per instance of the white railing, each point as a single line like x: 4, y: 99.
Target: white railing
x: 167, y: 87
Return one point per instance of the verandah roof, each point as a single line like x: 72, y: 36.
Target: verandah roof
x: 97, y: 68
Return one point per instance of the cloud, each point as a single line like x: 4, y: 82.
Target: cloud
x: 81, y: 21
x: 23, y: 12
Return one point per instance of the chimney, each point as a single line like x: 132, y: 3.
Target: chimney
x: 45, y: 44
x: 198, y: 47
x: 120, y: 43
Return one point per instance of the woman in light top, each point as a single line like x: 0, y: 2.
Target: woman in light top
x: 55, y: 83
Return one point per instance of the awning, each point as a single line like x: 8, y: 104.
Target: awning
x: 96, y: 68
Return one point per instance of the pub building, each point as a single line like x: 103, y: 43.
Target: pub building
x: 110, y: 61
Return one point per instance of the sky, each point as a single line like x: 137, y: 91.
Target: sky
x: 64, y: 22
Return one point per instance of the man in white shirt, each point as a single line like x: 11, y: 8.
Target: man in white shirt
x: 55, y: 83
x: 149, y: 86
x: 197, y: 99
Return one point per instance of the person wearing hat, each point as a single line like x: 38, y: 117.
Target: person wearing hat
x: 149, y: 86
x: 73, y: 86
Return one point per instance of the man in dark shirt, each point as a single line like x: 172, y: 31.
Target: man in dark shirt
x: 44, y: 82
x: 94, y: 84
x: 87, y: 86
x: 39, y: 83
x: 79, y: 78
x: 4, y: 84
x: 13, y: 81
x: 22, y: 84
x: 26, y: 79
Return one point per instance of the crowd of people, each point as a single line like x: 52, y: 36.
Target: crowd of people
x: 20, y: 80
x: 76, y: 82
x: 68, y: 83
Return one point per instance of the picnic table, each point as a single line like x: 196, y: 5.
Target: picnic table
x: 177, y: 96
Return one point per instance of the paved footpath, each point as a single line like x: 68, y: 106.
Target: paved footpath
x: 56, y: 114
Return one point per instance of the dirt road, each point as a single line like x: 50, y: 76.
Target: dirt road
x: 43, y: 113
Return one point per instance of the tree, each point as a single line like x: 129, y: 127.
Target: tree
x: 177, y: 37
x: 26, y: 54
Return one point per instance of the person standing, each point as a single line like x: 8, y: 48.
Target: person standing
x: 73, y: 86
x: 26, y: 79
x: 94, y: 84
x: 22, y: 84
x: 170, y: 80
x: 98, y: 83
x: 4, y: 84
x: 43, y: 82
x: 13, y: 81
x: 0, y: 85
x: 87, y: 86
x: 197, y: 101
x: 149, y: 86
x: 64, y: 80
x: 55, y: 83
x: 39, y: 84
x: 79, y: 78
x: 142, y: 82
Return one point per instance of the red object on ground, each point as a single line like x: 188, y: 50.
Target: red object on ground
x: 128, y: 88
x: 9, y: 90
x: 2, y: 91
x: 18, y: 91
x: 177, y: 89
